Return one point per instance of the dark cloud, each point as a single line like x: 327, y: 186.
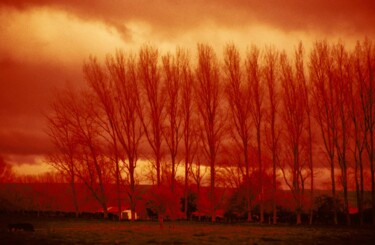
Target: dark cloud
x: 26, y: 90
x: 173, y: 17
x: 26, y: 142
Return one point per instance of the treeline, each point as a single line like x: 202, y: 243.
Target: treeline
x: 247, y: 116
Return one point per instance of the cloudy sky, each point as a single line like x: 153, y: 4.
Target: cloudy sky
x: 44, y: 43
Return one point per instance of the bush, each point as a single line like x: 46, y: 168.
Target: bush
x: 324, y: 208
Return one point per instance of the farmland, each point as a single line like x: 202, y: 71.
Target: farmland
x: 92, y: 231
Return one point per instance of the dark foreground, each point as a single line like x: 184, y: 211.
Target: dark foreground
x: 80, y: 231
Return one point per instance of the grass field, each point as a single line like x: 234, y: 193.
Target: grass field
x: 79, y: 231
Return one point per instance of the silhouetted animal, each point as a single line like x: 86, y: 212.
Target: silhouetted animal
x: 21, y: 227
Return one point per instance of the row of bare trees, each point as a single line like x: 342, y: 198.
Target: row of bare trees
x: 269, y: 106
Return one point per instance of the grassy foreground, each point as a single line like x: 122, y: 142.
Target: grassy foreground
x: 78, y: 231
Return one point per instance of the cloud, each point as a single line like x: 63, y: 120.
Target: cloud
x: 17, y: 142
x: 69, y: 30
x: 26, y: 87
x: 175, y: 17
x: 25, y: 90
x: 53, y: 36
x: 41, y: 51
x: 312, y: 15
x: 44, y: 42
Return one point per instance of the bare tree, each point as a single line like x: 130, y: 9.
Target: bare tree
x: 64, y: 158
x: 271, y: 73
x: 239, y: 102
x: 370, y: 114
x: 187, y: 111
x: 95, y: 167
x: 152, y: 103
x: 98, y: 133
x: 359, y: 130
x: 364, y: 74
x: 208, y: 90
x: 98, y: 80
x: 300, y: 76
x: 294, y: 119
x: 253, y: 71
x: 128, y: 125
x: 342, y: 79
x: 321, y: 75
x: 91, y: 165
x: 173, y: 72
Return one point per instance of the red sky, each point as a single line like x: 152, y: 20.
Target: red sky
x: 44, y: 43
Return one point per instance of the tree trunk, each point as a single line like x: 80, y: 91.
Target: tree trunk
x: 105, y: 211
x: 248, y: 199
x: 261, y: 220
x: 186, y: 184
x: 299, y: 221
x: 345, y: 184
x: 75, y: 201
x: 118, y: 189
x: 158, y: 172
x: 274, y: 210
x: 333, y: 192
x: 132, y: 189
x: 311, y: 166
x: 213, y: 211
x: 361, y: 190
x: 173, y: 172
x: 371, y: 156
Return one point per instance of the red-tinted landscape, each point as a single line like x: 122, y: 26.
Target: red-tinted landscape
x: 238, y: 113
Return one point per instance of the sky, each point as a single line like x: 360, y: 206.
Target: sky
x: 43, y: 45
